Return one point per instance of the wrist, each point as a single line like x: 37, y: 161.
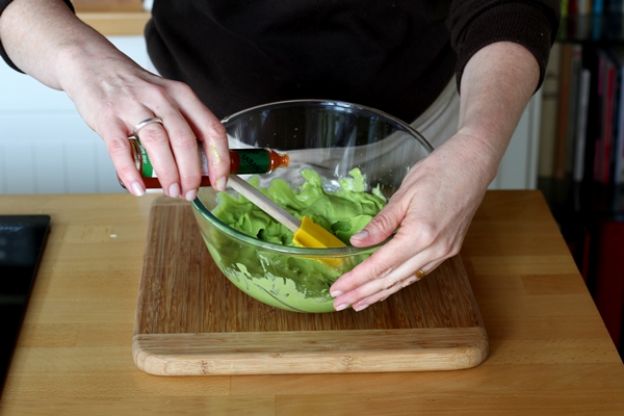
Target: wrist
x: 80, y: 62
x: 481, y: 150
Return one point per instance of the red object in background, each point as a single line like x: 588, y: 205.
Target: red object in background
x: 609, y: 285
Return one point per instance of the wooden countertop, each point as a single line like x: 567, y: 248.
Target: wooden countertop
x: 550, y: 352
x: 113, y: 18
x: 116, y: 23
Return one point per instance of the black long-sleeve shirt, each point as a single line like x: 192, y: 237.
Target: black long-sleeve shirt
x: 393, y: 55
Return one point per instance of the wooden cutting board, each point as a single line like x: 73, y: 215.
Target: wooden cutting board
x: 192, y: 321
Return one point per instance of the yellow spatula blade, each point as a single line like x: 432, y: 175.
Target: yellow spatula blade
x: 310, y: 234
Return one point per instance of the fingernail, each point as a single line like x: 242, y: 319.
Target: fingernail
x: 137, y: 189
x: 219, y: 184
x: 341, y: 307
x: 190, y: 195
x: 335, y: 293
x: 360, y: 236
x: 174, y: 190
x: 358, y: 308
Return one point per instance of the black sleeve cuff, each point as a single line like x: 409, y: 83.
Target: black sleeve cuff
x: 3, y: 5
x: 530, y: 25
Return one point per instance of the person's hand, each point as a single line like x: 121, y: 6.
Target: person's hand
x: 433, y: 208
x: 113, y: 95
x: 430, y: 212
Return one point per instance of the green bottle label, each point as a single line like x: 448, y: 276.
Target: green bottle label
x: 244, y: 161
x: 254, y: 161
x: 147, y: 170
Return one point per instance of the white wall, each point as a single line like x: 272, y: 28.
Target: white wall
x: 519, y: 166
x: 45, y: 147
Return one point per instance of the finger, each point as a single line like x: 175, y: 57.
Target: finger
x: 395, y: 252
x: 374, y: 287
x: 410, y: 279
x: 410, y: 271
x: 384, y: 294
x: 155, y: 139
x: 208, y: 130
x: 185, y: 149
x: 381, y: 226
x: 116, y: 138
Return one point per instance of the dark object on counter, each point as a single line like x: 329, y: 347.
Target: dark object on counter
x: 22, y: 240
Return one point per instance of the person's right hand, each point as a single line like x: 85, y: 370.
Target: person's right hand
x: 113, y: 94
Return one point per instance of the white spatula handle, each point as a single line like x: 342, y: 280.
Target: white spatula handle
x: 264, y: 203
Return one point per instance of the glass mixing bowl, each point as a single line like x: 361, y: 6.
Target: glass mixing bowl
x: 332, y: 138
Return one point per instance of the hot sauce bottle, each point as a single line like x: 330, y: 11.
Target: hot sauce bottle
x: 242, y: 161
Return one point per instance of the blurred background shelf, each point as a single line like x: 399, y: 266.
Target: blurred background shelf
x: 591, y: 28
x: 581, y: 158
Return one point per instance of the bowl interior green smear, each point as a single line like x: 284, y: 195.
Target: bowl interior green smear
x: 285, y: 281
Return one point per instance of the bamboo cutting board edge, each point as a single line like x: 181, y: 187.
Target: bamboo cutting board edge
x: 310, y: 351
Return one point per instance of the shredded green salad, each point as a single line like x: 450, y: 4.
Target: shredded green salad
x: 294, y: 283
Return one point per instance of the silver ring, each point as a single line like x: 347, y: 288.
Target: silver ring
x: 141, y: 124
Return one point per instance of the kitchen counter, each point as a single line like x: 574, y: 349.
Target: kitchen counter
x: 116, y: 23
x: 549, y: 351
x: 113, y: 18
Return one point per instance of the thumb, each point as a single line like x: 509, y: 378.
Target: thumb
x: 380, y: 227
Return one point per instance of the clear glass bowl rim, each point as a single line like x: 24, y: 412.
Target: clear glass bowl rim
x: 303, y: 251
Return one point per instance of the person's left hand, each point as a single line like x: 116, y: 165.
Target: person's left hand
x: 431, y: 213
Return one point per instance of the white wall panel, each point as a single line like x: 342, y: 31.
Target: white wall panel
x: 80, y: 168
x: 48, y: 165
x: 57, y: 149
x: 45, y: 146
x: 106, y: 175
x: 18, y: 164
x: 518, y: 168
x: 2, y: 169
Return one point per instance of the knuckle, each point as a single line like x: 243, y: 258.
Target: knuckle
x: 151, y: 135
x: 180, y: 87
x: 105, y: 115
x: 447, y: 248
x: 377, y: 267
x: 454, y: 250
x: 387, y: 283
x: 407, y: 282
x: 217, y: 130
x: 443, y: 248
x: 384, y: 295
x: 426, y: 234
x: 395, y: 289
x: 183, y: 140
x: 159, y: 92
x: 108, y: 110
x: 190, y: 181
x: 117, y: 146
x: 359, y: 293
x: 382, y: 222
